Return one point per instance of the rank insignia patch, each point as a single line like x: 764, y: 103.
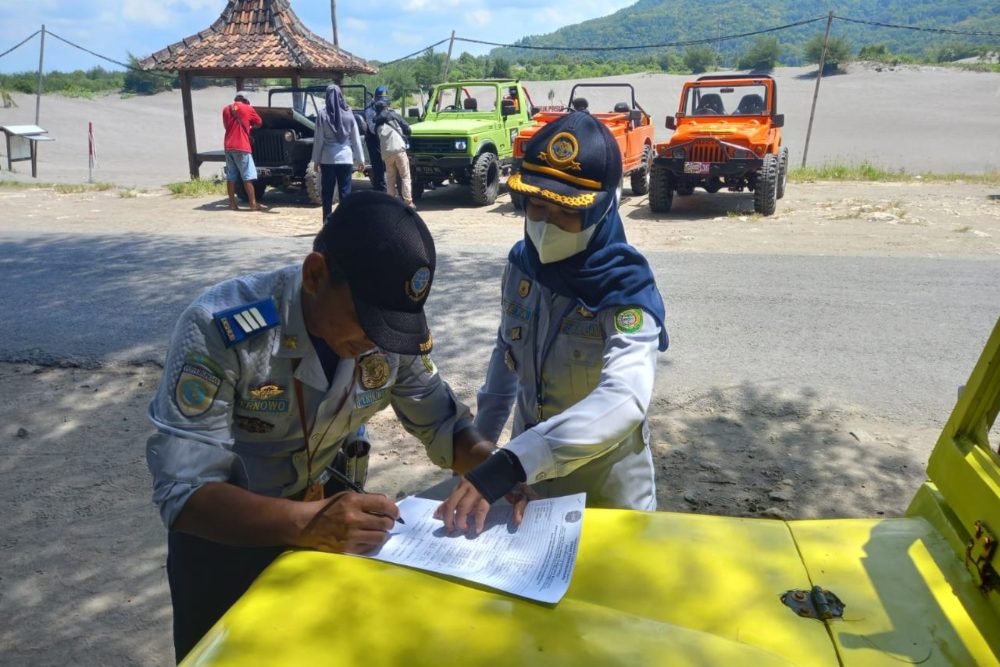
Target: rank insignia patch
x: 374, y: 370
x: 628, y: 320
x: 197, y: 386
x: 238, y: 324
x: 524, y: 288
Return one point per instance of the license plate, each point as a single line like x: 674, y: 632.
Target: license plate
x: 697, y: 167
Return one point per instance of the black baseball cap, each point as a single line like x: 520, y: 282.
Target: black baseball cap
x: 573, y: 161
x: 386, y: 253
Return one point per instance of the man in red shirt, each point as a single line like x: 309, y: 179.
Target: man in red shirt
x: 238, y: 118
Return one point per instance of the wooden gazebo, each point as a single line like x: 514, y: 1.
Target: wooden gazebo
x: 252, y: 39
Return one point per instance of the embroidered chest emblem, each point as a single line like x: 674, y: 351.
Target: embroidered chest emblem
x: 266, y: 391
x: 374, y: 370
x: 524, y: 288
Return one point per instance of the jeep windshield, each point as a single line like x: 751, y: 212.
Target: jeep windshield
x: 726, y: 100
x: 466, y: 99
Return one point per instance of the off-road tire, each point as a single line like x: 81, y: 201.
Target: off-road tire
x: 485, y: 179
x: 517, y: 199
x: 314, y: 186
x: 782, y: 171
x: 661, y: 189
x: 640, y: 175
x: 258, y: 189
x: 765, y: 192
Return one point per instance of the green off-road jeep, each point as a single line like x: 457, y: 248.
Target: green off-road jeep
x: 466, y: 135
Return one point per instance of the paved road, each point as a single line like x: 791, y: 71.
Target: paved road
x: 892, y: 336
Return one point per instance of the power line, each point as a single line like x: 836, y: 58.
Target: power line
x: 634, y: 47
x: 920, y: 29
x: 416, y: 53
x: 19, y: 43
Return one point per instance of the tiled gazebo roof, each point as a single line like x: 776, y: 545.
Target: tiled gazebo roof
x: 256, y: 38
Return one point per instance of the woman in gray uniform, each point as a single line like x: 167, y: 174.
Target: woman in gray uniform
x: 581, y: 324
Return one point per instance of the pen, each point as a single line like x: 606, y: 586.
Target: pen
x: 354, y: 486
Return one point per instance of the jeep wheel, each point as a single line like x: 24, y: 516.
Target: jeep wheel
x: 485, y: 179
x: 258, y: 190
x: 517, y: 199
x: 765, y: 192
x: 661, y: 189
x: 640, y: 176
x: 314, y: 187
x: 782, y: 171
x: 416, y: 186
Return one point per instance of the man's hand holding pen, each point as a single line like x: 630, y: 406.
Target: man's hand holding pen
x: 348, y: 522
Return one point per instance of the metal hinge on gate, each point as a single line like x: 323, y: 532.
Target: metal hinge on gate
x: 815, y: 603
x: 978, y: 556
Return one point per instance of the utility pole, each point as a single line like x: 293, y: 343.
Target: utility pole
x: 819, y: 77
x: 447, y: 61
x: 333, y: 20
x: 38, y: 94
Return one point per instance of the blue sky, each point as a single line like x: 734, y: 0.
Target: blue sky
x: 381, y: 30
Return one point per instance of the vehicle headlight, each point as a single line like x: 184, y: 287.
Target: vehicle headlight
x: 678, y: 153
x: 289, y: 136
x: 460, y: 145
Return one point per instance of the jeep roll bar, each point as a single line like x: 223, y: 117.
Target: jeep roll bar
x: 635, y: 105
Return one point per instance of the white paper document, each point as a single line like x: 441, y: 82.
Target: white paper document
x: 534, y: 560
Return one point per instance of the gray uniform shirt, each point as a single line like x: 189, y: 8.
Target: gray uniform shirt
x: 582, y: 383
x: 230, y: 414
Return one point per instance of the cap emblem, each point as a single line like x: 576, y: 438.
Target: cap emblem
x: 562, y: 151
x: 416, y: 287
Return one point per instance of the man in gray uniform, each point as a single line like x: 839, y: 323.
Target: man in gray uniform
x: 268, y: 377
x: 581, y: 324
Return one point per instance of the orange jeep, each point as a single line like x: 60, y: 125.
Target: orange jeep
x: 727, y: 132
x: 628, y: 122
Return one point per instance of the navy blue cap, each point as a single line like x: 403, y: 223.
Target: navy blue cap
x: 381, y: 90
x: 573, y: 161
x: 385, y: 251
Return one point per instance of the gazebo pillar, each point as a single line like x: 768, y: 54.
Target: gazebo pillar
x: 189, y: 124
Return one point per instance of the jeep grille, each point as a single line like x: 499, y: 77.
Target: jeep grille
x: 433, y: 145
x: 269, y: 148
x: 707, y: 151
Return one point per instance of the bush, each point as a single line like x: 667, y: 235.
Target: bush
x: 138, y: 82
x: 838, y: 51
x: 700, y: 59
x: 762, y: 55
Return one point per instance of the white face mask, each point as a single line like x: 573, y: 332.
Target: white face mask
x: 554, y: 243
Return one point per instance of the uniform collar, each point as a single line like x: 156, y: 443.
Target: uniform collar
x: 292, y: 340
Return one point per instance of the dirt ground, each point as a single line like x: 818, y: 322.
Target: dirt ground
x: 81, y: 546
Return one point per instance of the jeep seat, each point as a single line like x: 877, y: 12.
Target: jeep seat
x: 750, y: 105
x: 470, y: 104
x: 710, y: 104
x: 622, y: 107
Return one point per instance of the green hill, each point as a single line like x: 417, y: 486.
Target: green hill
x: 667, y: 21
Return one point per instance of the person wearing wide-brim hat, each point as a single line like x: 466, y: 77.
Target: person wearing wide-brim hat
x: 581, y: 325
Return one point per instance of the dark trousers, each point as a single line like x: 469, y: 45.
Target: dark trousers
x: 206, y: 578
x: 331, y: 175
x: 378, y: 166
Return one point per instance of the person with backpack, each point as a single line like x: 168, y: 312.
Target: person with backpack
x: 238, y: 119
x: 337, y: 150
x: 392, y: 132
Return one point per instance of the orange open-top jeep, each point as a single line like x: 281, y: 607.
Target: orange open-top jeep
x: 727, y: 133
x: 628, y: 122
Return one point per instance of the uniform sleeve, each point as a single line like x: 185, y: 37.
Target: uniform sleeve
x: 318, y: 139
x: 427, y: 408
x: 192, y: 412
x: 604, y: 417
x: 359, y: 153
x: 496, y: 397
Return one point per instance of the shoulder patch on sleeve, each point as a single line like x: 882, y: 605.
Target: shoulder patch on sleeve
x: 628, y: 320
x: 197, y: 385
x: 238, y: 324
